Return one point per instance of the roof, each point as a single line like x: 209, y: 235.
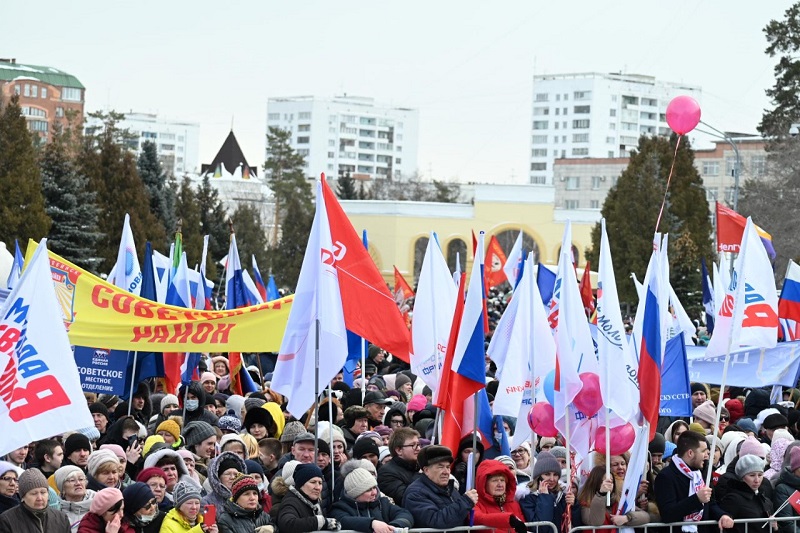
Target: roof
x: 231, y: 156
x: 49, y: 75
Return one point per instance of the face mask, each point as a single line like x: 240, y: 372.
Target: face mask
x: 146, y: 518
x: 192, y: 405
x: 261, y: 487
x: 498, y: 436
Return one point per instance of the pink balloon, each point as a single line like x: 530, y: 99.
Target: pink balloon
x: 621, y: 439
x: 683, y: 114
x: 540, y: 419
x: 589, y: 400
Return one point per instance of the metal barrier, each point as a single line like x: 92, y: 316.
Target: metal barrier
x: 529, y: 525
x: 754, y: 525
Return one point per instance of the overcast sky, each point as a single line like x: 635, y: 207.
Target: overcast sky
x: 466, y: 65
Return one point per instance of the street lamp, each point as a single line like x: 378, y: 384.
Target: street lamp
x: 737, y: 165
x: 713, y: 211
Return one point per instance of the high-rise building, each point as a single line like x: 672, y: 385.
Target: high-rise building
x: 47, y: 96
x: 595, y: 115
x: 348, y: 134
x: 177, y: 142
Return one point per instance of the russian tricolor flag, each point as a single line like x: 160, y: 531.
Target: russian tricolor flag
x: 651, y: 350
x: 262, y: 289
x: 236, y: 297
x: 789, y: 303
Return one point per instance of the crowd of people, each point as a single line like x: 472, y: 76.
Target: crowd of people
x: 207, y: 460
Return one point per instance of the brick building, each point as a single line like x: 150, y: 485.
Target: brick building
x: 46, y: 94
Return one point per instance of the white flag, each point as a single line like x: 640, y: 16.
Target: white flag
x: 40, y: 391
x: 126, y: 272
x: 722, y: 280
x: 317, y: 300
x: 616, y: 357
x: 514, y: 261
x: 434, y: 305
x: 749, y: 314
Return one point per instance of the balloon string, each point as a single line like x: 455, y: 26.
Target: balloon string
x: 669, y: 178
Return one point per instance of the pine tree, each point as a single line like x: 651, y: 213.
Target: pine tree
x: 22, y: 211
x: 112, y: 173
x: 250, y: 237
x: 70, y: 204
x: 346, y: 187
x: 155, y: 179
x: 214, y: 223
x: 286, y: 260
x: 631, y: 209
x: 187, y: 210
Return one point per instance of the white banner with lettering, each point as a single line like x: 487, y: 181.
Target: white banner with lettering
x: 749, y: 367
x: 40, y: 391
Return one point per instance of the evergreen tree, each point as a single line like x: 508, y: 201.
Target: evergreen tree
x: 286, y: 260
x: 631, y: 209
x: 783, y: 37
x: 187, y: 211
x: 70, y: 204
x: 112, y: 173
x: 155, y: 180
x: 250, y: 237
x: 445, y: 192
x: 22, y: 211
x: 214, y: 223
x: 346, y: 187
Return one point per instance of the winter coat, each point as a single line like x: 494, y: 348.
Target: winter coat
x: 175, y: 522
x: 279, y: 490
x: 234, y: 519
x: 298, y: 514
x: 671, y: 488
x: 76, y: 510
x: 220, y: 493
x: 742, y: 502
x: 598, y: 514
x: 487, y: 511
x: 434, y: 506
x: 360, y: 515
x: 183, y: 473
x: 550, y: 507
x: 395, y: 476
x: 787, y: 484
x: 200, y: 413
x: 94, y: 523
x: 8, y: 502
x: 154, y: 526
x: 20, y: 519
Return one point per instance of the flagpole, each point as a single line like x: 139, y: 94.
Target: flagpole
x: 330, y: 433
x: 714, y: 438
x: 316, y: 384
x: 475, y: 412
x: 363, y: 370
x: 133, y: 382
x: 569, y: 455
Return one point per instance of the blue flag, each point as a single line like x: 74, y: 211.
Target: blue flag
x: 545, y: 280
x: 272, y: 289
x: 354, y: 343
x: 708, y: 299
x: 676, y: 391
x: 16, y: 267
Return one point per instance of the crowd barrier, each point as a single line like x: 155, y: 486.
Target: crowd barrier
x: 754, y: 525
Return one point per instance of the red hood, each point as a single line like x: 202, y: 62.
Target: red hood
x: 489, y: 468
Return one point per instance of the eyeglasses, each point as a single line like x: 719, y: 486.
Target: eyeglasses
x: 76, y: 480
x: 9, y: 479
x: 397, y: 422
x: 518, y: 452
x: 150, y: 504
x: 724, y: 418
x: 230, y: 474
x: 115, y: 508
x: 416, y: 446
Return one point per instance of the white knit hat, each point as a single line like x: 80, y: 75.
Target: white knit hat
x: 358, y: 482
x: 99, y: 458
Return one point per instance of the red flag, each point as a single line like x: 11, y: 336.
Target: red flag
x: 235, y: 363
x: 449, y: 398
x: 493, y: 265
x: 402, y: 294
x: 794, y: 501
x: 369, y: 308
x: 586, y: 294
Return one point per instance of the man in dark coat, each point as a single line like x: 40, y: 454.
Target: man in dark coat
x: 432, y: 498
x: 396, y: 475
x: 674, y: 482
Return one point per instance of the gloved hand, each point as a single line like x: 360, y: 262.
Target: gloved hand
x: 332, y: 524
x: 517, y: 524
x: 265, y: 529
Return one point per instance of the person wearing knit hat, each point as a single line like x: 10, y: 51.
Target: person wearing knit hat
x: 168, y: 404
x: 545, y: 444
x: 560, y: 453
x: 222, y: 470
x: 243, y: 512
x: 751, y: 446
x: 220, y: 365
x: 106, y: 510
x: 156, y: 479
x: 699, y: 394
x: 229, y: 424
x: 103, y: 470
x: 385, y: 432
x: 290, y: 431
x: 287, y: 472
x: 209, y: 382
x: 101, y: 416
x: 76, y: 451
x: 735, y: 408
x: 185, y: 516
x: 74, y: 498
x: 743, y: 499
x: 705, y: 414
x: 747, y: 426
x: 697, y: 428
x: 9, y: 474
x: 251, y: 403
x: 366, y: 449
x: 170, y: 431
x: 33, y: 513
x: 200, y: 438
x: 141, y: 508
x: 360, y: 495
x: 258, y: 422
x: 402, y: 384
x: 235, y: 405
x: 153, y: 443
x: 301, y: 507
x: 546, y: 463
x: 774, y: 422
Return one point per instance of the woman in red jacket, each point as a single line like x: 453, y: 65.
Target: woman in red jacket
x: 496, y: 507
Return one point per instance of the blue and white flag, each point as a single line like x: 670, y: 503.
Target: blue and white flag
x: 126, y: 272
x: 16, y: 267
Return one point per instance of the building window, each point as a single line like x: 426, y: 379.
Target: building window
x: 581, y: 124
x: 539, y: 152
x: 366, y: 145
x: 580, y: 151
x: 541, y: 97
x: 305, y: 115
x: 399, y: 149
x: 730, y: 163
x: 366, y: 157
x: 594, y: 204
x: 610, y: 140
x: 572, y: 204
x: 596, y: 182
x: 274, y: 116
x: 729, y: 191
x: 612, y: 112
x: 555, y: 139
x: 168, y: 147
x: 39, y: 125
x: 612, y: 126
x: 34, y: 91
x: 650, y: 102
x: 331, y: 155
x: 566, y: 97
x: 366, y: 169
x: 758, y: 165
x: 59, y: 112
x: 27, y: 89
x: 558, y: 111
x: 580, y: 137
x: 71, y: 94
x: 303, y: 152
x: 538, y: 166
x: 557, y: 125
x: 44, y: 92
x: 366, y: 133
x: 366, y: 121
x: 304, y: 127
x: 611, y: 153
x: 420, y: 247
x: 538, y: 180
x: 540, y: 124
x: 573, y: 183
x: 582, y: 109
x: 398, y: 160
x: 16, y: 89
x: 167, y: 136
x: 303, y: 140
x: 582, y: 95
x: 539, y: 111
x: 539, y: 139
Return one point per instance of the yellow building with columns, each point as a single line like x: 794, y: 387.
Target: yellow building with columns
x: 398, y: 232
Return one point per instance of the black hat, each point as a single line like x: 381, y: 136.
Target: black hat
x: 364, y: 446
x: 136, y: 496
x: 775, y: 421
x: 658, y: 444
x: 226, y: 463
x: 100, y: 408
x: 376, y: 397
x: 434, y: 454
x: 305, y: 471
x: 75, y: 442
x: 370, y: 369
x: 259, y: 415
x: 699, y: 387
x: 324, y: 447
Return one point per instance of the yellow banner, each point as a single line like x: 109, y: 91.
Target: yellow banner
x: 98, y: 314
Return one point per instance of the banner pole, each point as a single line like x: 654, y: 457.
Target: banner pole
x: 714, y: 438
x: 330, y: 433
x: 133, y: 382
x: 316, y: 384
x: 566, y: 430
x: 363, y: 369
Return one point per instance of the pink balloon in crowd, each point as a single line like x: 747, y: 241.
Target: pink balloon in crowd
x: 541, y: 420
x: 589, y: 400
x: 621, y: 439
x: 683, y: 114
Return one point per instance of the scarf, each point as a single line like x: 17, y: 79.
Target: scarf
x: 314, y: 506
x: 500, y: 500
x: 696, y: 482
